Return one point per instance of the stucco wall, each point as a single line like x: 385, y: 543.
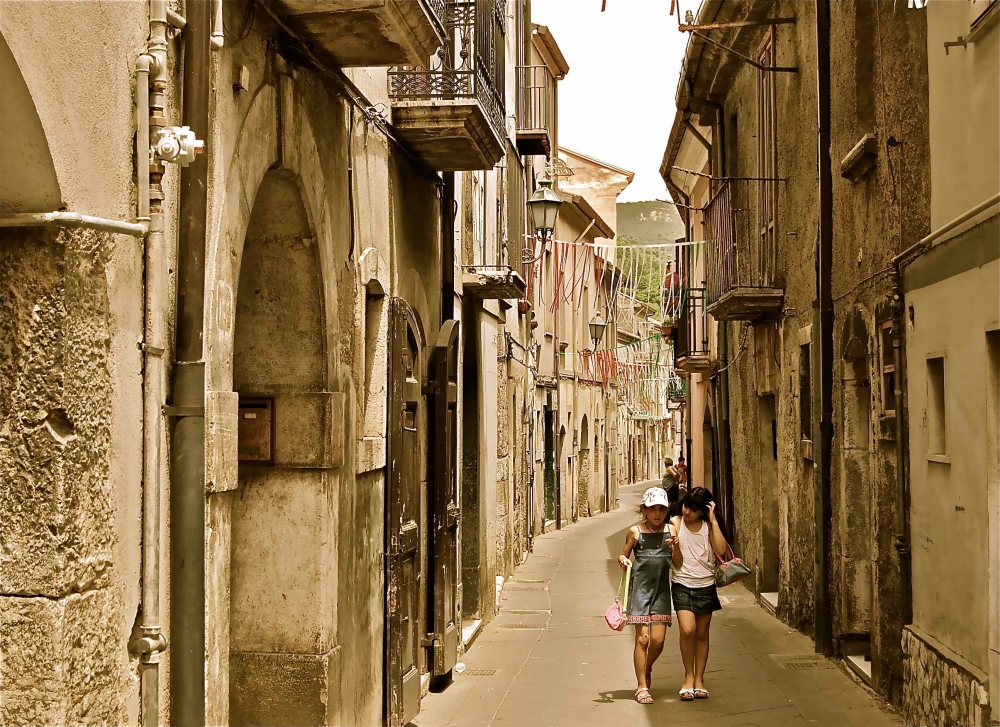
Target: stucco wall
x: 949, y: 516
x: 964, y: 115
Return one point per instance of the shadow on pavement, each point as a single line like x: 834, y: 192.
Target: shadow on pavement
x: 615, y: 695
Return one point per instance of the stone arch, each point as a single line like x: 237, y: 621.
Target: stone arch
x: 24, y: 147
x: 284, y: 521
x: 275, y: 153
x: 856, y: 493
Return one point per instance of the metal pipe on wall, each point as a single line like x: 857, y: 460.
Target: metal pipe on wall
x: 823, y: 353
x: 152, y: 643
x: 187, y: 451
x: 72, y: 219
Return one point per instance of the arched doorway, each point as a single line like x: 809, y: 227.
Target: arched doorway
x: 283, y: 611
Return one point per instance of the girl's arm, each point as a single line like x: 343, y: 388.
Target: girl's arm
x: 624, y: 560
x: 676, y: 558
x: 715, y: 534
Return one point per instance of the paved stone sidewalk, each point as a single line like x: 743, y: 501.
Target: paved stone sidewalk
x: 549, y: 660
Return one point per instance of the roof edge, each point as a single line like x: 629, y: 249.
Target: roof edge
x: 589, y: 212
x: 545, y: 36
x: 599, y: 162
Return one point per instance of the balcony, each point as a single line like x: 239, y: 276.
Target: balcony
x: 740, y: 271
x: 451, y: 112
x: 692, y: 354
x: 369, y: 32
x: 492, y: 282
x: 535, y: 110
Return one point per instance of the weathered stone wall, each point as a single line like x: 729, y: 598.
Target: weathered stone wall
x: 60, y: 607
x: 879, y: 86
x: 863, y: 598
x: 941, y: 689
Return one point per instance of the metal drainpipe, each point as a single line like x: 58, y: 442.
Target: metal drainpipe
x: 823, y: 416
x: 187, y: 451
x: 152, y: 643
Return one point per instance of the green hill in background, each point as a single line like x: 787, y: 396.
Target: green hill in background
x: 646, y: 223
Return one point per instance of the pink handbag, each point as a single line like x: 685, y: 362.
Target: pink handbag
x: 615, y: 616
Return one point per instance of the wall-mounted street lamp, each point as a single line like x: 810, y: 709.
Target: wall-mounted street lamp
x: 544, y: 208
x: 597, y: 326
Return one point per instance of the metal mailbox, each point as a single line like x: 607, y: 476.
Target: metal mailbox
x: 256, y: 430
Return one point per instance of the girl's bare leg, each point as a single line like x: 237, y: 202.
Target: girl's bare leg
x: 657, y: 634
x: 703, y: 622
x: 687, y: 624
x: 639, y: 654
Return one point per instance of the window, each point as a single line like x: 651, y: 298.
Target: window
x: 767, y: 161
x: 805, y: 390
x: 376, y: 350
x: 479, y: 217
x: 888, y: 365
x: 937, y: 441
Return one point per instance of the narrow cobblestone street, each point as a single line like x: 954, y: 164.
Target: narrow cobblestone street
x: 548, y: 659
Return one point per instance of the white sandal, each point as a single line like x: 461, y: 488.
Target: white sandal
x: 687, y: 695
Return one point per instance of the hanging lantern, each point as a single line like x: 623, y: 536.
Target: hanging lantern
x: 597, y: 326
x: 544, y: 208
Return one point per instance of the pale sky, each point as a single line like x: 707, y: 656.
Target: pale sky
x: 617, y: 102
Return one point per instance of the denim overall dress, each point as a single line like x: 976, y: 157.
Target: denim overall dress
x: 649, y: 598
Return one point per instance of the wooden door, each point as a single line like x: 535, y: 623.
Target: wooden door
x: 446, y: 619
x: 403, y: 541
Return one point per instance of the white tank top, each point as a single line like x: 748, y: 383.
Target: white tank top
x: 698, y: 568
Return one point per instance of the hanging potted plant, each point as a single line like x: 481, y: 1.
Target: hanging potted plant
x: 667, y: 327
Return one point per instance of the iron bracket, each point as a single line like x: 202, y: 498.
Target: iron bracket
x: 736, y: 24
x: 748, y: 59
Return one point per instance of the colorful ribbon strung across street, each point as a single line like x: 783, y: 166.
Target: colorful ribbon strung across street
x: 630, y: 279
x: 642, y: 372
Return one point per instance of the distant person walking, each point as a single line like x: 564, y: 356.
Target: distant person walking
x: 695, y: 595
x: 671, y: 483
x: 650, y: 550
x: 682, y: 470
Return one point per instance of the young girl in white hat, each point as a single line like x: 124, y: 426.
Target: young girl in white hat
x: 650, y: 548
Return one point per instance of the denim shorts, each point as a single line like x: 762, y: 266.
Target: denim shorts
x: 697, y: 600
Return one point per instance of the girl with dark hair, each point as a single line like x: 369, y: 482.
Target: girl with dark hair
x: 694, y: 592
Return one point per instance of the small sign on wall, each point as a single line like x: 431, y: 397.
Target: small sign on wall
x: 256, y: 430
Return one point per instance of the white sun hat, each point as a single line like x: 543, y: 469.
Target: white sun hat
x: 655, y: 496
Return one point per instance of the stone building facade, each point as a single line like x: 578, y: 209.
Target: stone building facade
x: 818, y: 469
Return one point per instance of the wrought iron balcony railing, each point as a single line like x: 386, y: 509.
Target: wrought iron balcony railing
x: 469, y: 66
x: 535, y: 109
x: 691, y: 349
x: 740, y: 267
